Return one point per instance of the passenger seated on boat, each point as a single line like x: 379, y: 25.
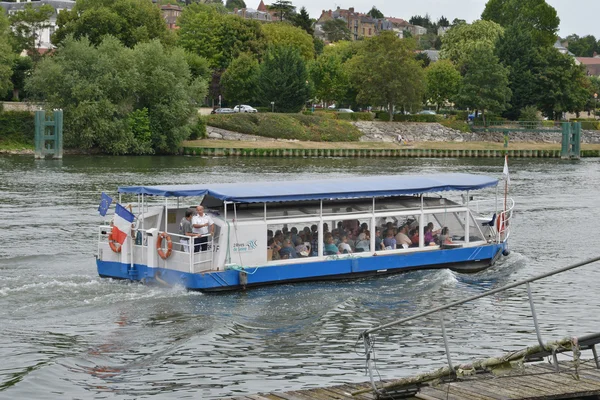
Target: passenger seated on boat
x: 330, y: 248
x: 287, y: 251
x: 414, y: 237
x: 402, y: 239
x: 444, y: 237
x: 389, y: 242
x: 365, y: 243
x: 301, y: 248
x: 350, y: 225
x: 314, y: 228
x: 314, y: 244
x: 325, y: 227
x: 344, y: 247
x: 273, y: 250
x: 293, y: 234
x: 428, y: 236
x: 378, y: 240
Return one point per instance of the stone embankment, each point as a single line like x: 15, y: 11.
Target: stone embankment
x: 378, y: 131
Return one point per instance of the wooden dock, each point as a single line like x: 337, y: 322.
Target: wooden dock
x: 532, y: 382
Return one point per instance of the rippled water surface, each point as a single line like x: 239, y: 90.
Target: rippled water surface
x: 65, y: 333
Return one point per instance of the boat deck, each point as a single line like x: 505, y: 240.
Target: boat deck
x: 532, y: 382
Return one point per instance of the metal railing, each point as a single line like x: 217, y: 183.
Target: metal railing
x: 519, y: 125
x: 366, y: 335
x: 503, y: 218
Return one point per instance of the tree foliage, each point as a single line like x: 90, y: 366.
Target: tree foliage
x: 283, y: 79
x: 562, y: 85
x: 462, y: 39
x: 386, y: 73
x: 336, y: 30
x: 585, y: 46
x: 130, y: 21
x: 6, y: 57
x: 27, y: 24
x: 284, y: 9
x: 443, y: 82
x: 375, y: 13
x: 239, y: 81
x: 232, y: 4
x: 329, y: 78
x: 485, y: 83
x: 302, y: 20
x: 104, y: 91
x: 21, y: 68
x: 284, y: 34
x: 219, y: 38
x: 536, y: 15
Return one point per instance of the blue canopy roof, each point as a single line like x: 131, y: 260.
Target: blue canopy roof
x: 321, y: 189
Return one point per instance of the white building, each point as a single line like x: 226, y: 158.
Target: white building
x: 43, y: 41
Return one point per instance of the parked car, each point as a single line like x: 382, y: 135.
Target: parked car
x: 223, y: 110
x: 243, y: 108
x: 344, y: 110
x: 331, y: 107
x: 426, y: 112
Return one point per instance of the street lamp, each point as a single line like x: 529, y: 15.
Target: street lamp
x: 272, y: 106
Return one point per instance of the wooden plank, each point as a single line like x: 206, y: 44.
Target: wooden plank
x: 452, y: 391
x: 462, y: 388
x: 320, y: 394
x: 482, y: 387
x: 504, y: 387
x: 541, y: 387
x: 353, y: 387
x: 567, y: 380
x: 287, y: 396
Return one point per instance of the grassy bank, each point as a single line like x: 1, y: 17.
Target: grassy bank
x: 313, y: 128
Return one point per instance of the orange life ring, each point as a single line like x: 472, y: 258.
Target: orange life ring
x: 500, y: 223
x: 113, y: 244
x: 161, y: 253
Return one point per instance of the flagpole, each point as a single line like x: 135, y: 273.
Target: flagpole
x: 505, y: 192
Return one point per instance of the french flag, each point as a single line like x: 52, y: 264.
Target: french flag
x: 122, y: 224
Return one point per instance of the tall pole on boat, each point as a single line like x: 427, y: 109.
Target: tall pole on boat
x: 506, y: 180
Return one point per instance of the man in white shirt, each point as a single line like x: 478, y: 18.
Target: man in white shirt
x: 402, y: 239
x: 202, y: 224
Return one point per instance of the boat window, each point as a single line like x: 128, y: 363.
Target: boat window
x: 293, y: 240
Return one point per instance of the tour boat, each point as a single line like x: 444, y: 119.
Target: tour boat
x: 248, y: 215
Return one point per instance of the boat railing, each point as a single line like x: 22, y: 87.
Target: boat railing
x: 186, y: 245
x: 367, y: 336
x: 487, y: 208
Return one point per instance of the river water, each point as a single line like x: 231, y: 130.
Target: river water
x: 66, y: 333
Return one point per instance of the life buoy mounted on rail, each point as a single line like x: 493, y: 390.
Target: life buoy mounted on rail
x: 500, y: 223
x: 164, y: 255
x: 114, y: 245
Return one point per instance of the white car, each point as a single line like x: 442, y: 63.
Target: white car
x: 344, y: 110
x: 244, y: 109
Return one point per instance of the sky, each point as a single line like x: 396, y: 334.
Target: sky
x: 576, y: 16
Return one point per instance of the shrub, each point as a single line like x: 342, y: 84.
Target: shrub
x: 17, y: 126
x: 198, y: 129
x: 529, y: 113
x: 588, y: 124
x: 457, y: 125
x: 344, y: 116
x: 462, y: 115
x: 288, y: 126
x: 363, y: 116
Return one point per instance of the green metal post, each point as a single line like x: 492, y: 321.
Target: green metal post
x: 576, y: 141
x: 566, y: 136
x: 40, y: 117
x: 58, y: 134
x: 505, y: 139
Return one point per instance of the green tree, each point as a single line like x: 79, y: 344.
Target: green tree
x: 423, y: 58
x: 130, y: 21
x: 219, y: 38
x: 21, y: 69
x: 536, y: 15
x: 485, y: 83
x: 284, y: 9
x: 584, y: 47
x: 519, y: 54
x: 386, y: 73
x: 6, y: 56
x: 302, y: 20
x: 336, y: 30
x: 283, y: 79
x: 460, y: 41
x: 232, y: 4
x: 27, y: 25
x: 443, y: 21
x: 562, y: 85
x: 329, y: 78
x: 239, y: 81
x: 104, y: 90
x: 443, y: 82
x: 375, y: 13
x: 284, y: 34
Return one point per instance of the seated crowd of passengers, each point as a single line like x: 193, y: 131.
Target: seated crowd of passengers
x: 349, y: 237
